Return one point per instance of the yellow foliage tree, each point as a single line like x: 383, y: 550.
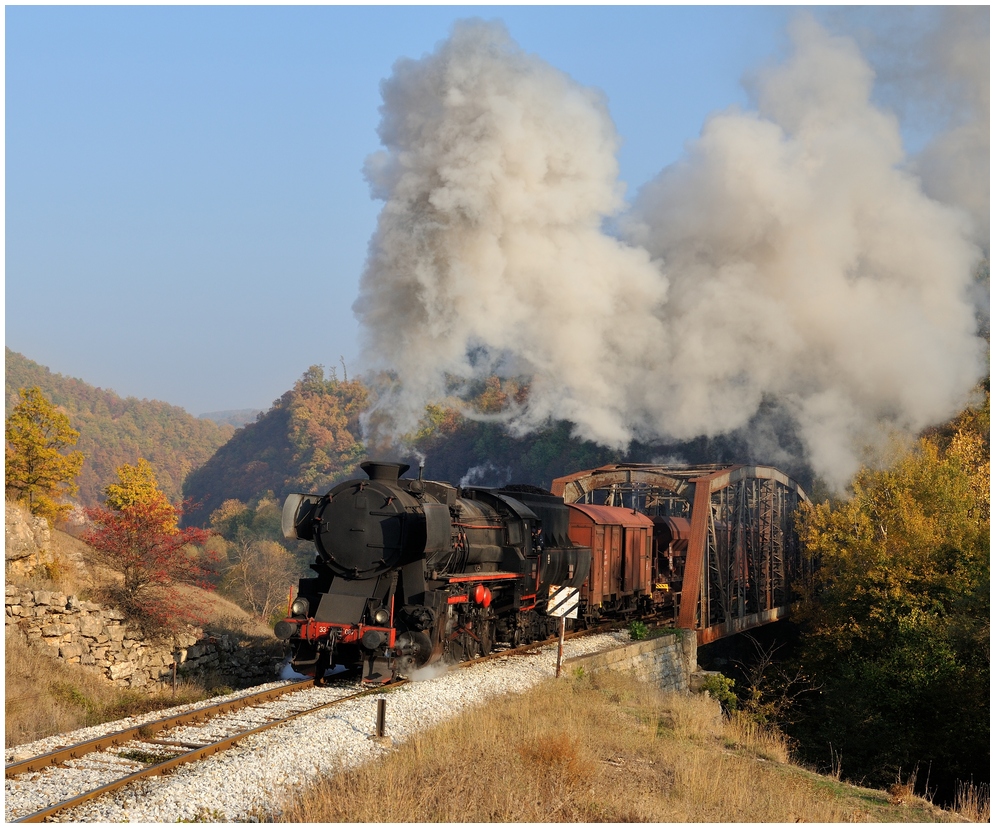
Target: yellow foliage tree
x: 37, y: 471
x: 897, y: 620
x: 137, y: 486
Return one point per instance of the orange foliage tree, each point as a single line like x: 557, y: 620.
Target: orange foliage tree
x: 135, y: 534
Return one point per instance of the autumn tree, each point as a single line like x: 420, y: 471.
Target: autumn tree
x: 258, y: 577
x: 897, y: 628
x: 38, y: 471
x: 258, y: 569
x: 135, y: 534
x: 137, y: 484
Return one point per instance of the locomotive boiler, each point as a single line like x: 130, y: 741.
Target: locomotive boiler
x: 411, y: 571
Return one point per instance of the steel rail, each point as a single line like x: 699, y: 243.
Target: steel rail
x: 193, y: 756
x: 64, y: 754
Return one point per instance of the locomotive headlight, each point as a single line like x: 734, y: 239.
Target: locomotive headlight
x: 381, y: 616
x: 299, y: 607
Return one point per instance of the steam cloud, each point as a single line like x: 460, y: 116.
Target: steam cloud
x: 791, y: 259
x: 939, y: 72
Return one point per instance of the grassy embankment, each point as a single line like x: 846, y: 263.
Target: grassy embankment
x: 45, y: 696
x: 598, y: 748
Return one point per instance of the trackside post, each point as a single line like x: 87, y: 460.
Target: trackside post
x: 563, y: 602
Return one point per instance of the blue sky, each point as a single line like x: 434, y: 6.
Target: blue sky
x: 186, y: 215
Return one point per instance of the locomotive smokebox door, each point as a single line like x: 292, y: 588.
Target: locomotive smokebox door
x: 362, y: 530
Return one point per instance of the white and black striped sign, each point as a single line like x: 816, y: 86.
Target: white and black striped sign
x: 563, y: 602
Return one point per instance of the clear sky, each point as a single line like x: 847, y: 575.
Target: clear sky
x: 186, y: 214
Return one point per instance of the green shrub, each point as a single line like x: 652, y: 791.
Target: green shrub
x: 638, y: 631
x: 720, y: 688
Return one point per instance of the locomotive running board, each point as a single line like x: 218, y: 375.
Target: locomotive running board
x: 484, y: 576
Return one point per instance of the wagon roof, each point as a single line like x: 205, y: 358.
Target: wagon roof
x: 612, y: 514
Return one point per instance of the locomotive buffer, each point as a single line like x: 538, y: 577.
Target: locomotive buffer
x: 562, y: 604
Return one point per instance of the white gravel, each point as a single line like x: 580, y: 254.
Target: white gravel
x: 42, y: 746
x: 249, y: 780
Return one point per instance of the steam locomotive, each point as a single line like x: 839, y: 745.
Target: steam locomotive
x: 410, y: 571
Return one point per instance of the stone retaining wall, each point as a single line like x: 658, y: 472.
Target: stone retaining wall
x: 668, y: 660
x: 99, y: 638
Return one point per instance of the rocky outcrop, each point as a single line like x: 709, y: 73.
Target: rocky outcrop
x: 99, y: 638
x: 27, y: 541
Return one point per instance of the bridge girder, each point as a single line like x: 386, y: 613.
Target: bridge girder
x: 742, y: 552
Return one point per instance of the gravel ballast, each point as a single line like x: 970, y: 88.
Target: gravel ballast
x: 247, y: 782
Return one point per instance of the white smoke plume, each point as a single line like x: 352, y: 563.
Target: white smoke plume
x: 807, y: 266
x: 956, y: 166
x: 790, y: 259
x: 486, y: 475
x: 497, y: 174
x: 933, y: 67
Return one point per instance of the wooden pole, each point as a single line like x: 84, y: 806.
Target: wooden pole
x: 174, y: 678
x: 381, y: 717
x: 559, y: 653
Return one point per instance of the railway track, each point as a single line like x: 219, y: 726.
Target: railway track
x: 127, y: 756
x: 121, y: 758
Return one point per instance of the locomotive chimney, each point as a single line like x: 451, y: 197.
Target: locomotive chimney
x: 376, y: 470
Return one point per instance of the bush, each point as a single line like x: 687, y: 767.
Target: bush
x: 638, y: 631
x: 720, y: 688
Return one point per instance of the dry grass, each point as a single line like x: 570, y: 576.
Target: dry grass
x: 973, y: 802
x: 46, y: 696
x: 603, y: 748
x: 220, y: 615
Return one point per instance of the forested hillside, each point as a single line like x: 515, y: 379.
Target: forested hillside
x: 114, y: 430
x: 305, y: 442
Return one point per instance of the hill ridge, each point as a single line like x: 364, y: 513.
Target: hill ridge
x: 115, y: 430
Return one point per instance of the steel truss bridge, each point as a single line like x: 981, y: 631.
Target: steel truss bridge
x: 742, y: 550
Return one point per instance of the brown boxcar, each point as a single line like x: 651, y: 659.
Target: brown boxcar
x: 621, y: 542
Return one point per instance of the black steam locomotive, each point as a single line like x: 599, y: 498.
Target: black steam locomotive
x: 411, y: 571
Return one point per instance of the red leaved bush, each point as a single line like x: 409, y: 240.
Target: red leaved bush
x: 141, y: 542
